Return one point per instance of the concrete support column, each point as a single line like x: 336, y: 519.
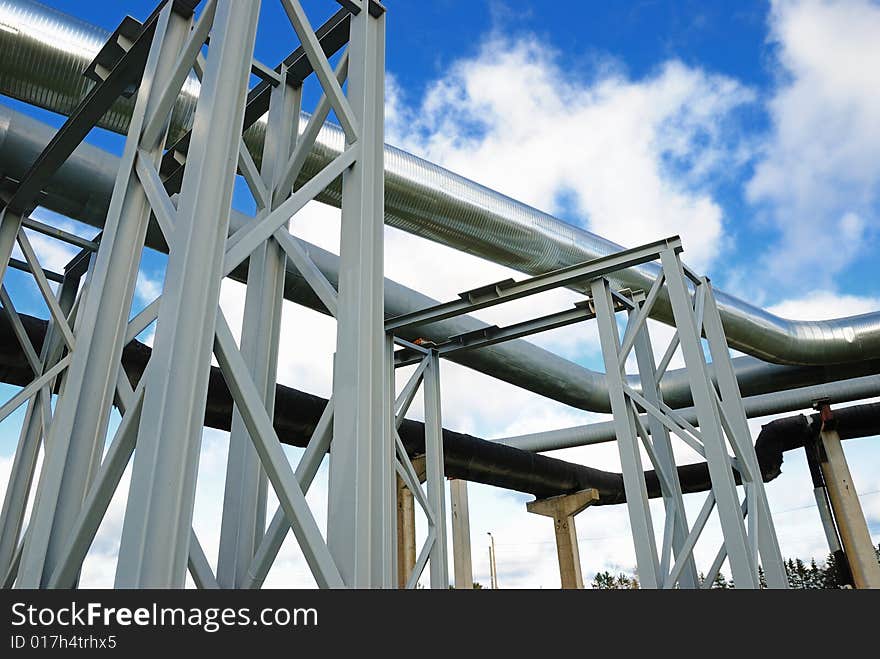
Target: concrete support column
x: 563, y: 509
x: 406, y: 533
x: 847, y: 510
x: 406, y: 525
x: 461, y: 535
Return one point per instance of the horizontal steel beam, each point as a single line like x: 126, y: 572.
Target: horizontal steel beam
x: 509, y: 290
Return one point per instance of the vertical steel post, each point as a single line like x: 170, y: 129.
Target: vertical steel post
x: 673, y: 501
x: 156, y: 532
x: 10, y: 225
x: 361, y: 509
x: 434, y: 471
x: 744, y: 571
x: 740, y: 437
x: 75, y: 440
x: 244, y: 503
x: 32, y: 432
x: 627, y: 442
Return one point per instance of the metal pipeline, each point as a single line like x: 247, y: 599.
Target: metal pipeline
x: 45, y: 52
x: 774, y: 402
x: 466, y: 457
x: 81, y: 189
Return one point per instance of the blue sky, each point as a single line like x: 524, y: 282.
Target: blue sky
x: 747, y: 127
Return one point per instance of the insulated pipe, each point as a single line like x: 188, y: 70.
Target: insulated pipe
x: 761, y: 405
x: 466, y: 457
x: 81, y: 189
x: 45, y: 52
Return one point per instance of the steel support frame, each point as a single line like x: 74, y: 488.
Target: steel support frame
x: 434, y: 551
x: 154, y: 547
x: 37, y: 420
x: 75, y: 439
x: 361, y: 505
x: 722, y: 424
x: 163, y: 416
x: 244, y: 504
x: 721, y: 409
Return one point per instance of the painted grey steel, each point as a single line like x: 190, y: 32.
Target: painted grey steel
x: 157, y: 539
x: 59, y: 234
x: 361, y: 499
x: 423, y: 198
x: 101, y: 491
x: 36, y: 421
x: 673, y: 502
x: 433, y: 503
x: 270, y: 543
x: 761, y: 531
x: 156, y: 532
x: 627, y: 443
x: 434, y: 474
x: 76, y: 437
x: 828, y: 526
x: 509, y: 290
x: 742, y: 567
x: 244, y: 503
x: 285, y: 483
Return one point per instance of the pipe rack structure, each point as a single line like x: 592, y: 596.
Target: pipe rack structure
x: 192, y: 125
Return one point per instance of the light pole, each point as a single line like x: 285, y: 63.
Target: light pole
x: 493, y: 570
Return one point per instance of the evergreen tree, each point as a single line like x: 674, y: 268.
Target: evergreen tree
x: 607, y: 581
x: 827, y: 574
x: 720, y: 581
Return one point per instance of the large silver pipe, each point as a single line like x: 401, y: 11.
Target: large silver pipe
x: 81, y: 189
x: 45, y: 52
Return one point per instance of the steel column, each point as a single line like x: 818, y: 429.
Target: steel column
x: 360, y: 530
x: 727, y: 502
x: 731, y: 406
x: 434, y: 471
x: 244, y: 504
x: 36, y: 421
x: 627, y: 442
x: 673, y: 501
x: 76, y: 438
x: 156, y: 533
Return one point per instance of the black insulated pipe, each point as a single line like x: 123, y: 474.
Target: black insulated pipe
x: 466, y: 457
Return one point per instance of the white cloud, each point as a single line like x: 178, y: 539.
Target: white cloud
x: 825, y: 305
x: 632, y: 159
x: 628, y: 157
x: 818, y: 175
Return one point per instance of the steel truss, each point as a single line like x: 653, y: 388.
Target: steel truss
x: 185, y: 189
x: 721, y: 418
x: 162, y: 416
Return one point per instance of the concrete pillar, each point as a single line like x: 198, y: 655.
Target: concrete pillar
x: 563, y: 509
x: 406, y: 525
x: 406, y: 533
x: 461, y: 535
x: 851, y: 522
